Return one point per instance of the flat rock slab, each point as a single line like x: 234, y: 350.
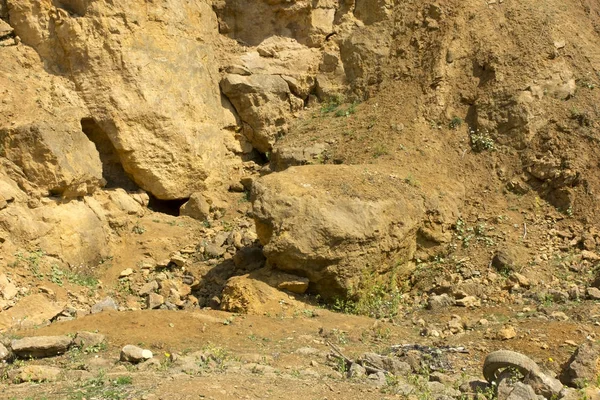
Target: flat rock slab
x: 30, y: 311
x: 134, y: 354
x: 88, y: 339
x: 41, y: 346
x: 34, y: 373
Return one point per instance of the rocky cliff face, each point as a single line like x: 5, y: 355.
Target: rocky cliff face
x: 163, y: 102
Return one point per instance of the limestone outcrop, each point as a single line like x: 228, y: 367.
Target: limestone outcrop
x: 338, y: 224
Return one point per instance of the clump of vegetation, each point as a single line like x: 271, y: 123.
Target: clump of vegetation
x: 346, y: 112
x: 481, y: 141
x: 455, y: 123
x: 375, y: 296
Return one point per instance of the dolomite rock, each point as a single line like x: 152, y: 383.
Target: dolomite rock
x: 151, y: 88
x: 328, y: 222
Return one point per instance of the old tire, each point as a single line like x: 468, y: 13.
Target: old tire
x: 507, y: 359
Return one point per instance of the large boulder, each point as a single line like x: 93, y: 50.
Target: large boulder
x: 149, y: 81
x: 337, y: 224
x: 40, y: 127
x: 263, y: 103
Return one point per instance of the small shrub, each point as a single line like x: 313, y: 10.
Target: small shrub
x: 481, y: 141
x: 455, y: 123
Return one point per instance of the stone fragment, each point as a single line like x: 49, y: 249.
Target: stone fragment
x: 503, y: 261
x: 583, y: 366
x: 391, y: 364
x: 134, y: 354
x: 30, y: 311
x: 88, y: 339
x: 178, y: 259
x: 34, y: 373
x: 125, y: 273
x: 469, y: 301
x: 147, y: 288
x: 196, y: 207
x: 299, y: 285
x: 440, y: 301
x: 154, y: 300
x: 7, y: 288
x: 40, y: 346
x: 506, y: 333
x: 4, y: 353
x: 106, y: 304
x: 593, y: 293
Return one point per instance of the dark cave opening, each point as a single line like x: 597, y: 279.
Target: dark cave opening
x: 112, y: 169
x: 170, y: 207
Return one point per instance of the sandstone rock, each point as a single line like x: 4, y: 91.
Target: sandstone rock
x: 178, y: 260
x: 134, y: 354
x: 118, y: 79
x: 7, y: 288
x: 506, y: 333
x: 503, y: 261
x: 30, y: 311
x: 125, y: 202
x: 196, y: 207
x: 263, y: 103
x: 4, y: 353
x: 285, y: 157
x: 34, y: 373
x: 469, y: 301
x: 247, y: 294
x: 249, y: 258
x: 40, y: 346
x: 88, y: 339
x: 356, y: 371
x: 154, y: 300
x: 329, y: 221
x: 583, y: 366
x: 391, y: 364
x: 125, y: 273
x: 106, y: 304
x: 148, y: 288
x: 298, y: 285
x: 593, y: 293
x: 439, y: 302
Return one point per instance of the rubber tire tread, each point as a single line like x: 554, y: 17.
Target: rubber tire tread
x: 505, y: 359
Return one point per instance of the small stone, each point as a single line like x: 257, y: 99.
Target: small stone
x: 106, y: 304
x: 148, y: 288
x: 506, y: 333
x: 154, y: 300
x: 134, y: 354
x: 356, y: 371
x: 520, y: 279
x: 4, y: 353
x: 571, y: 343
x: 40, y: 346
x: 88, y: 339
x: 178, y: 259
x: 439, y: 302
x: 593, y: 293
x: 502, y: 261
x: 46, y: 290
x: 559, y: 315
x: 7, y: 288
x: 583, y: 366
x: 34, y: 373
x: 215, y: 303
x: 299, y: 285
x: 559, y: 44
x: 469, y: 301
x: 455, y: 325
x: 213, y: 251
x: 590, y: 255
x: 126, y: 273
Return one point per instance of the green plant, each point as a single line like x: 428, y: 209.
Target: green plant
x: 138, y: 228
x: 412, y: 181
x: 380, y: 150
x: 455, y: 123
x: 124, y: 380
x: 481, y: 141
